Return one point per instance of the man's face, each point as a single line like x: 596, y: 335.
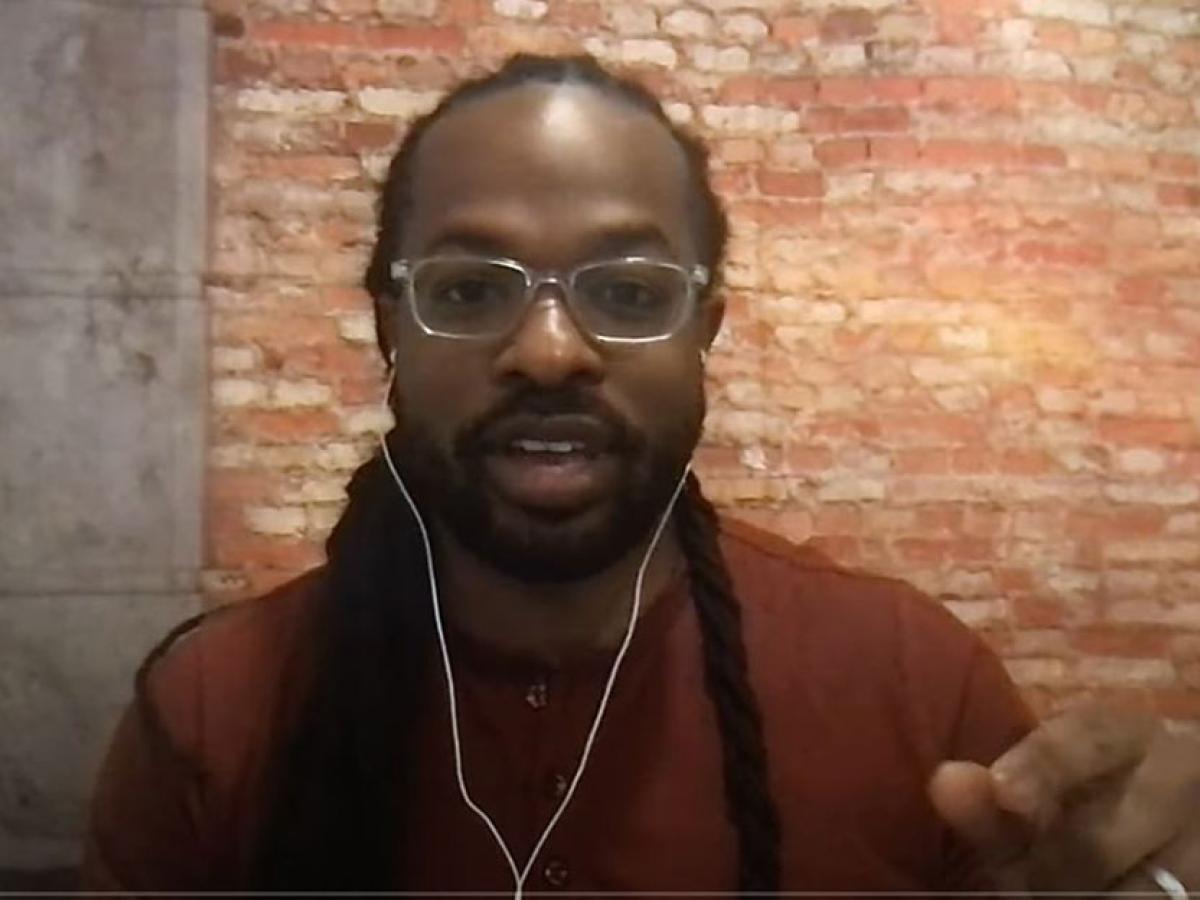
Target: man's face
x: 552, y: 177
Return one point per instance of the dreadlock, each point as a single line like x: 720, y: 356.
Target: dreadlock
x: 335, y: 813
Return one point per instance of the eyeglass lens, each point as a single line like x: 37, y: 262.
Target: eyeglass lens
x: 627, y: 299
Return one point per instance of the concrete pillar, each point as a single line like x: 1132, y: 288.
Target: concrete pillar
x: 102, y: 246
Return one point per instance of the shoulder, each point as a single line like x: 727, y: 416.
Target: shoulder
x: 870, y: 640
x: 776, y: 578
x: 217, y: 679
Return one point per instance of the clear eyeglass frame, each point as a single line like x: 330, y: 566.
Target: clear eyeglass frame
x: 696, y: 277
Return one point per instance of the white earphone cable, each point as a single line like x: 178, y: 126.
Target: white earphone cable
x: 520, y: 875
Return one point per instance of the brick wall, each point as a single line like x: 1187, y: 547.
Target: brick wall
x: 964, y: 288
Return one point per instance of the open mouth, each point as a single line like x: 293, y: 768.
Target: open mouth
x: 555, y: 464
x: 561, y: 450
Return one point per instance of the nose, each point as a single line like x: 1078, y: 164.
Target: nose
x: 548, y: 348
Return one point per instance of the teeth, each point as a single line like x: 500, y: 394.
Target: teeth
x: 527, y: 445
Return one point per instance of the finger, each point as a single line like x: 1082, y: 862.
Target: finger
x: 1066, y: 754
x: 963, y: 795
x: 1180, y: 858
x: 1105, y: 833
x: 1159, y: 801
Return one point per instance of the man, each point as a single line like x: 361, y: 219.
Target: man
x: 536, y: 660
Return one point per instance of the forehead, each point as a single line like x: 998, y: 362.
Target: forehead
x: 550, y: 175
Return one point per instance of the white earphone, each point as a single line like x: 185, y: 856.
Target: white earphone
x: 520, y: 874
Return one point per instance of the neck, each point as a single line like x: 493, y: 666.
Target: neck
x: 550, y: 623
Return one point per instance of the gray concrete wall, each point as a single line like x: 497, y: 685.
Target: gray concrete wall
x: 103, y: 134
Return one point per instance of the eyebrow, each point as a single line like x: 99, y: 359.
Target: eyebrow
x: 617, y: 240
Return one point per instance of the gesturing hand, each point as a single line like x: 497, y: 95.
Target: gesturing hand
x: 1088, y: 802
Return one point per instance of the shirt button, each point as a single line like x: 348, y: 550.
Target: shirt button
x: 556, y: 786
x: 556, y: 873
x: 538, y: 695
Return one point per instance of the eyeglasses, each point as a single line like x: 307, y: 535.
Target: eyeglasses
x: 627, y: 300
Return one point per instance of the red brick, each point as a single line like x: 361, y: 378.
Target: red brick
x: 789, y: 92
x: 1113, y: 525
x: 845, y: 550
x: 321, y: 34
x: 323, y: 169
x: 786, y: 92
x: 1011, y: 580
x: 1038, y: 612
x: 773, y: 214
x: 250, y: 551
x: 307, y: 68
x: 577, y: 15
x: 734, y: 181
x: 718, y: 460
x: 971, y: 550
x: 805, y: 185
x: 900, y: 150
x: 228, y: 25
x: 846, y: 91
x: 1141, y: 289
x: 922, y: 552
x: 841, y: 152
x: 920, y: 461
x: 976, y: 93
x: 847, y: 25
x: 431, y: 38
x: 897, y: 89
x: 1131, y: 642
x: 959, y: 29
x: 807, y: 459
x: 1078, y: 255
x: 1057, y: 37
x: 1179, y: 195
x: 1042, y: 156
x: 972, y: 460
x: 820, y: 120
x: 361, y: 136
x: 940, y: 518
x: 875, y: 120
x: 265, y: 329
x: 1026, y: 462
x: 278, y: 425
x: 794, y: 30
x: 1177, y: 165
x: 242, y: 65
x: 334, y: 34
x: 1148, y: 433
x: 965, y: 154
x: 837, y: 518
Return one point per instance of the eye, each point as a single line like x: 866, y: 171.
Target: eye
x: 468, y: 292
x: 628, y: 296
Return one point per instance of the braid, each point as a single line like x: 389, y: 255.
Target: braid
x: 749, y: 805
x: 335, y: 814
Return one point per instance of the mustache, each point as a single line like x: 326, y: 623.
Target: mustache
x: 529, y: 401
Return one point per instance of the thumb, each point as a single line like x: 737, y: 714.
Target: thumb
x: 964, y: 795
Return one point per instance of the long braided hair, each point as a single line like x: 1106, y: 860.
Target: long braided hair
x: 335, y: 813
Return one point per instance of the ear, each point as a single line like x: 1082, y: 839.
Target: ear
x: 712, y: 314
x: 385, y: 327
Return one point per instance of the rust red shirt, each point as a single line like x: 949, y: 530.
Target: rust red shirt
x: 864, y: 685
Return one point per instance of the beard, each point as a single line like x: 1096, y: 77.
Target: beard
x: 539, y: 546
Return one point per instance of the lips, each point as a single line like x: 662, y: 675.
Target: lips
x: 554, y: 464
